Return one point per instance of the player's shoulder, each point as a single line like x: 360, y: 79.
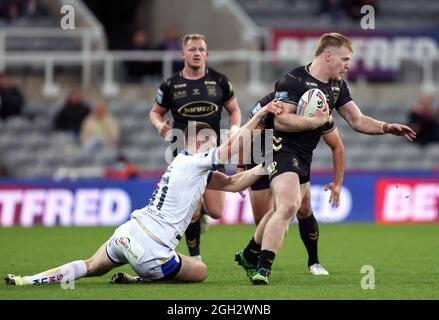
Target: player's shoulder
x: 295, y: 76
x: 298, y: 73
x: 213, y: 74
x: 175, y: 78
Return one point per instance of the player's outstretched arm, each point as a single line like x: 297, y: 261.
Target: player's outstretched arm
x: 288, y: 121
x: 368, y: 125
x: 237, y: 182
x: 244, y: 133
x: 333, y: 140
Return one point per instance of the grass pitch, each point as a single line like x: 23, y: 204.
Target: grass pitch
x: 405, y: 259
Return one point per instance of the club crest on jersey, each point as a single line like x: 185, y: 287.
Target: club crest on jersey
x: 211, y: 91
x: 180, y: 94
x: 198, y: 109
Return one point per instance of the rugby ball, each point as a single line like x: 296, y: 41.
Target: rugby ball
x: 310, y: 101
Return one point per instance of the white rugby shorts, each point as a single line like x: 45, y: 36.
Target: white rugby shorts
x: 149, y: 259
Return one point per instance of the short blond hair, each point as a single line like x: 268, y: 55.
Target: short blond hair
x: 333, y: 39
x: 193, y: 36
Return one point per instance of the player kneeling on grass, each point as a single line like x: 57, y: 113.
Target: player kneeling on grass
x: 148, y: 240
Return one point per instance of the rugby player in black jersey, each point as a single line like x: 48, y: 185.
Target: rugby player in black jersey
x: 196, y: 93
x: 296, y: 137
x: 261, y: 197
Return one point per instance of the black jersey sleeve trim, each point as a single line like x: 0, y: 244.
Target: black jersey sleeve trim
x: 228, y: 101
x: 329, y: 130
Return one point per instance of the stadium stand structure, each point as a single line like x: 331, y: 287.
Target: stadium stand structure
x: 303, y: 14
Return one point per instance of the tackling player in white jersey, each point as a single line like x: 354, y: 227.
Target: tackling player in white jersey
x: 148, y: 240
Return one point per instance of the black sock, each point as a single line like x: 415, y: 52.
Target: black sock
x: 266, y: 259
x: 192, y: 233
x: 309, y: 232
x: 252, y: 252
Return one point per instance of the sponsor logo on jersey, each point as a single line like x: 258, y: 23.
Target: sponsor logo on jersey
x: 159, y: 96
x: 126, y: 243
x: 180, y: 86
x: 255, y: 110
x: 210, y: 83
x: 196, y: 92
x: 198, y: 109
x: 281, y: 95
x: 336, y: 89
x: 311, y: 84
x: 180, y: 94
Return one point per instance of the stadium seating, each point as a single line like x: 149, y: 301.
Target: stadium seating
x: 33, y: 150
x: 301, y: 14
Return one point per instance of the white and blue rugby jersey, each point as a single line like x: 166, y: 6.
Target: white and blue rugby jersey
x: 177, y: 195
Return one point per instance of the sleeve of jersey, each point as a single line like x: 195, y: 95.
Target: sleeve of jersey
x: 267, y: 122
x: 287, y: 90
x: 162, y: 95
x: 345, y: 95
x: 227, y: 88
x: 329, y: 126
x: 207, y: 160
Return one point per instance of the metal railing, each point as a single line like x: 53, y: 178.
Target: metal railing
x: 107, y: 61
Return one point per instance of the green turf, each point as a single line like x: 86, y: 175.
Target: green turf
x: 405, y: 259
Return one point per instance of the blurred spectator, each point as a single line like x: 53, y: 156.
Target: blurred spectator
x: 138, y: 69
x: 11, y: 98
x: 35, y: 9
x: 424, y: 120
x: 332, y: 10
x: 123, y: 170
x: 11, y: 10
x: 72, y: 114
x: 4, y: 172
x: 99, y: 129
x: 172, y: 42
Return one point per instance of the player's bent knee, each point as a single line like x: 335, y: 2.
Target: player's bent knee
x: 214, y: 214
x: 214, y: 211
x: 288, y: 210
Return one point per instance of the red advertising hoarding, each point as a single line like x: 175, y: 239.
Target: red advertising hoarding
x: 407, y: 201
